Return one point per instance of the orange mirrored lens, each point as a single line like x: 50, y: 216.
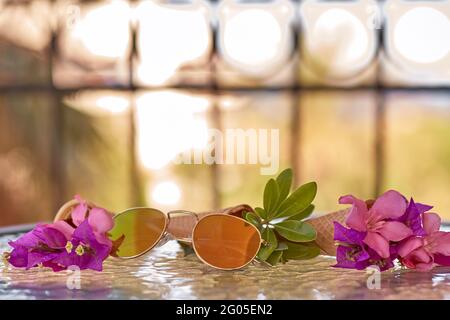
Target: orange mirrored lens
x: 141, y: 229
x: 225, y: 241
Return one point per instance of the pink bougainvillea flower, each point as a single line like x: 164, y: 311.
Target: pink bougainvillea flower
x: 378, y: 221
x: 353, y: 253
x: 84, y: 250
x: 82, y: 241
x: 47, y: 246
x: 422, y: 253
x: 37, y: 247
x: 100, y: 220
x: 80, y: 212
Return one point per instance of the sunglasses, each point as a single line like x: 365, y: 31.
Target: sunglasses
x: 221, y: 240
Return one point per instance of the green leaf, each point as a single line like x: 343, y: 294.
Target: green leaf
x: 284, y: 181
x: 275, y: 257
x: 298, y: 251
x: 298, y: 201
x: 271, y: 244
x: 281, y: 246
x: 304, y: 214
x: 296, y: 231
x: 271, y: 194
x: 261, y: 212
x: 253, y: 219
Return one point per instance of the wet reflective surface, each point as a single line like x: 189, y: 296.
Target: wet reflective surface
x: 168, y: 274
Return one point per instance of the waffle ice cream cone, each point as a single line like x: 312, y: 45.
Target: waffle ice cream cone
x: 325, y: 230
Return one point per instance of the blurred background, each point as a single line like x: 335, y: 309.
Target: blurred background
x: 98, y: 97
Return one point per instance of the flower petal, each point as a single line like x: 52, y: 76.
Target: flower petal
x: 377, y: 243
x: 424, y: 267
x: 344, y: 234
x: 422, y: 255
x: 28, y: 240
x: 79, y: 213
x: 358, y: 213
x: 419, y: 259
x: 100, y: 220
x: 344, y: 259
x: 442, y: 260
x: 412, y: 217
x: 423, y: 207
x: 394, y: 231
x: 53, y: 238
x: 63, y: 227
x: 19, y: 257
x: 440, y: 243
x: 431, y: 222
x: 390, y: 204
x: 406, y: 247
x: 35, y: 258
x: 84, y: 233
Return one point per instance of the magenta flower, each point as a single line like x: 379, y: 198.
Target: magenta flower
x: 422, y: 253
x: 99, y: 219
x: 412, y: 217
x: 37, y: 247
x: 353, y: 253
x: 84, y: 250
x: 378, y: 221
x: 82, y: 241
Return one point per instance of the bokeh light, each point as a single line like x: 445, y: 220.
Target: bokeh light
x: 422, y: 35
x: 166, y: 193
x: 169, y: 123
x: 103, y: 31
x: 169, y: 37
x: 338, y: 42
x: 255, y: 39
